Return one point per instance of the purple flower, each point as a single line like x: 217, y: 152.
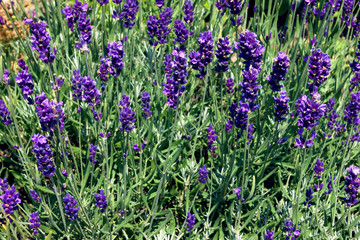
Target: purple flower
x: 145, y: 102
x: 352, y: 109
x: 228, y: 126
x: 211, y: 137
x: 309, y: 110
x: 25, y: 82
x: 10, y: 200
x: 176, y: 77
x: 221, y: 6
x: 268, y: 37
x: 239, y: 114
x: 35, y: 196
x: 188, y: 11
x: 235, y: 6
x: 35, y: 222
x: 223, y: 52
x: 6, y: 79
x: 309, y: 196
x: 229, y: 85
x: 116, y: 54
x: 203, y: 174
x: 101, y: 201
x: 50, y: 114
x: 190, y: 221
x: 76, y: 81
x: 319, y: 67
x: 104, y: 70
x: 4, y: 113
x: 249, y: 87
x: 182, y: 33
x: 330, y: 185
x: 127, y: 116
x: 269, y: 235
x: 319, y: 168
x: 302, y: 142
x: 158, y: 28
x: 279, y: 70
x: 136, y: 148
x: 103, y: 2
x: 290, y: 233
x: 282, y: 34
x: 355, y: 81
x: 72, y: 13
x: 90, y: 93
x: 281, y: 106
x: 128, y: 14
x: 2, y: 20
x: 160, y: 3
x: 352, y: 185
x: 70, y: 206
x: 203, y: 57
x: 40, y: 41
x: 117, y: 1
x: 237, y: 192
x: 85, y: 29
x: 92, y: 153
x: 64, y: 172
x: 4, y: 184
x: 44, y: 155
x: 250, y: 49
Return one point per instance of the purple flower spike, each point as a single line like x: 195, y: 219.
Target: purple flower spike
x: 269, y: 235
x: 6, y: 79
x: 302, y: 142
x: 92, y: 153
x: 211, y: 137
x: 145, y: 102
x: 190, y: 221
x: 239, y: 114
x: 128, y: 15
x: 72, y: 13
x: 309, y: 110
x: 44, y: 155
x: 103, y: 2
x: 25, y: 82
x: 280, y: 68
x: 127, y: 116
x: 355, y: 81
x: 158, y: 27
x: 188, y: 11
x: 35, y: 196
x: 4, y: 113
x: 352, y: 185
x: 182, y: 33
x: 250, y: 87
x: 10, y: 200
x: 136, y: 148
x: 4, y: 184
x: 352, y: 109
x: 70, y: 206
x: 229, y: 85
x: 85, y: 29
x: 101, y: 201
x: 319, y: 67
x: 117, y: 1
x: 281, y: 106
x: 309, y: 196
x: 237, y: 192
x: 290, y: 233
x: 203, y: 174
x: 223, y: 53
x: 40, y: 41
x: 35, y: 222
x: 116, y: 53
x: 319, y: 168
x: 160, y: 3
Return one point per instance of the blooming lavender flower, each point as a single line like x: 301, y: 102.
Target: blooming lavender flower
x: 35, y: 196
x: 4, y: 184
x: 302, y: 142
x: 269, y: 235
x: 355, y: 81
x: 352, y: 185
x: 221, y: 6
x: 319, y: 67
x: 127, y: 116
x: 103, y: 2
x: 136, y: 148
x: 4, y: 113
x: 237, y: 192
x: 92, y: 153
x: 223, y: 52
x: 203, y: 57
x: 72, y: 13
x: 203, y: 174
x: 182, y: 33
x: 70, y: 206
x: 352, y: 109
x: 35, y: 222
x: 229, y: 85
x: 176, y: 78
x: 25, y: 82
x: 280, y: 68
x: 188, y: 11
x: 160, y: 3
x: 282, y: 34
x: 211, y: 137
x: 235, y: 7
x: 290, y: 233
x: 104, y: 70
x: 40, y: 41
x: 50, y: 114
x: 309, y: 196
x: 128, y: 14
x: 319, y: 168
x: 101, y: 201
x: 76, y: 81
x: 44, y: 155
x: 228, y: 126
x: 85, y: 29
x: 90, y: 93
x: 249, y: 87
x: 239, y: 114
x: 2, y: 20
x: 117, y: 1
x: 6, y: 78
x: 116, y: 54
x: 145, y: 102
x: 10, y: 200
x: 309, y: 110
x: 330, y: 185
x: 158, y: 28
x: 250, y: 49
x: 281, y: 106
x: 190, y: 221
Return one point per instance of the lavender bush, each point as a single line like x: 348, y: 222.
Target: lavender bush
x: 225, y: 119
